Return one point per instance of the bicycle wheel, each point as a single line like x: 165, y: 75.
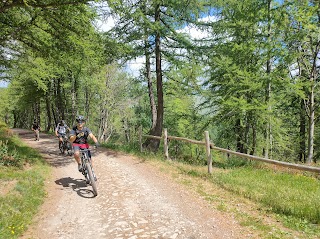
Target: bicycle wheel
x: 92, y: 180
x: 69, y: 148
x: 61, y: 147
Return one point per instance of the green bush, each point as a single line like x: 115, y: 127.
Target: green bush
x: 9, y: 157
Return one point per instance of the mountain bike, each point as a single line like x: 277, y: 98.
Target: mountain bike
x: 65, y: 145
x: 87, y: 169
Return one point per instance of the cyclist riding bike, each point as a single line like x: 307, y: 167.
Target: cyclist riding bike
x: 36, y: 129
x: 79, y: 137
x: 61, y: 130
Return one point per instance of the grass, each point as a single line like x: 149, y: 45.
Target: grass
x: 294, y: 195
x: 22, y: 175
x: 273, y: 202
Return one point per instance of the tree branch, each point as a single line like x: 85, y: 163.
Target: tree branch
x: 20, y: 3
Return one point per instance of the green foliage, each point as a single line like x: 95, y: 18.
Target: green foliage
x: 9, y: 157
x: 22, y: 190
x: 6, y: 106
x: 239, y: 82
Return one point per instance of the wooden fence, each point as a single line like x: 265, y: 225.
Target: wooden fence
x: 209, y: 146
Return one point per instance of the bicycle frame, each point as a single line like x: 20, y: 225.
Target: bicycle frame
x: 87, y: 169
x: 65, y: 144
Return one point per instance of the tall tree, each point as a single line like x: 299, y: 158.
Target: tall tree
x: 158, y: 23
x: 304, y: 43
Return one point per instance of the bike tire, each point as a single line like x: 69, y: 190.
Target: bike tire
x: 69, y: 148
x: 91, y: 178
x: 61, y: 148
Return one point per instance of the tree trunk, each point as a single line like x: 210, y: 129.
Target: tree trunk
x: 87, y: 104
x: 246, y: 134
x: 311, y: 126
x: 267, y: 134
x: 302, y: 138
x: 59, y: 100
x: 74, y: 96
x: 238, y: 131
x: 150, y: 88
x: 254, y: 140
x: 54, y: 114
x: 153, y: 144
x: 149, y: 80
x: 49, y: 123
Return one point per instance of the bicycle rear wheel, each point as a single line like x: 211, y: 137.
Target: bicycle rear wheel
x: 92, y: 180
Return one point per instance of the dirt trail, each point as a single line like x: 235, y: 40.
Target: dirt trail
x: 134, y: 201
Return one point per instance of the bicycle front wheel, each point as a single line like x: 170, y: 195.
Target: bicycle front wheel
x: 91, y: 178
x: 61, y: 147
x: 69, y: 148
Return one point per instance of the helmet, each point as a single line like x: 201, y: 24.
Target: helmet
x: 62, y: 122
x: 80, y: 119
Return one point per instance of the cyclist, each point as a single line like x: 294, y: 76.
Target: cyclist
x: 61, y: 130
x: 79, y: 137
x: 36, y: 129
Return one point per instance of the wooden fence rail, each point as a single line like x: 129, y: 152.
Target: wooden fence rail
x: 210, y: 146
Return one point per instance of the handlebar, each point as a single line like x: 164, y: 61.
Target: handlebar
x: 86, y: 150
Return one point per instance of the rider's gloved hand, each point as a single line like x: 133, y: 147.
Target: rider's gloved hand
x: 97, y: 145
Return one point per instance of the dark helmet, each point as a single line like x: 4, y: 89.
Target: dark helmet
x: 62, y: 122
x: 80, y: 119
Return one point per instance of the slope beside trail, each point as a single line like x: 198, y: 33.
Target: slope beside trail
x: 134, y: 201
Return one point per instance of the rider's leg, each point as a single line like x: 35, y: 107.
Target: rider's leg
x: 77, y: 157
x: 60, y: 141
x: 89, y: 154
x: 37, y: 135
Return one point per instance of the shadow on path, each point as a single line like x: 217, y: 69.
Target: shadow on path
x: 47, y: 146
x: 77, y: 185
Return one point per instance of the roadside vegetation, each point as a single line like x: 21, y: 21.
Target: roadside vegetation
x: 250, y: 78
x: 273, y: 201
x: 22, y: 175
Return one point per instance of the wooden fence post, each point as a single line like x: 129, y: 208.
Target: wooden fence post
x: 165, y: 143
x: 208, y: 150
x: 140, y: 138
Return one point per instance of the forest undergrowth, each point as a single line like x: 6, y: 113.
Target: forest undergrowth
x: 22, y: 191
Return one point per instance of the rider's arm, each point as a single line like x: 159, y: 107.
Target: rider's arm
x: 72, y: 138
x: 56, y: 131
x: 93, y: 138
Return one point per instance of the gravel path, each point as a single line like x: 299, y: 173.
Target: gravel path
x: 134, y: 201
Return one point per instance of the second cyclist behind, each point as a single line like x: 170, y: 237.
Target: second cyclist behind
x: 61, y: 130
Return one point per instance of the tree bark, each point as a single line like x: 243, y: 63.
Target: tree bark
x: 238, y: 131
x: 153, y: 144
x: 267, y: 134
x: 302, y: 138
x: 150, y: 87
x: 311, y: 126
x: 49, y: 123
x: 74, y: 96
